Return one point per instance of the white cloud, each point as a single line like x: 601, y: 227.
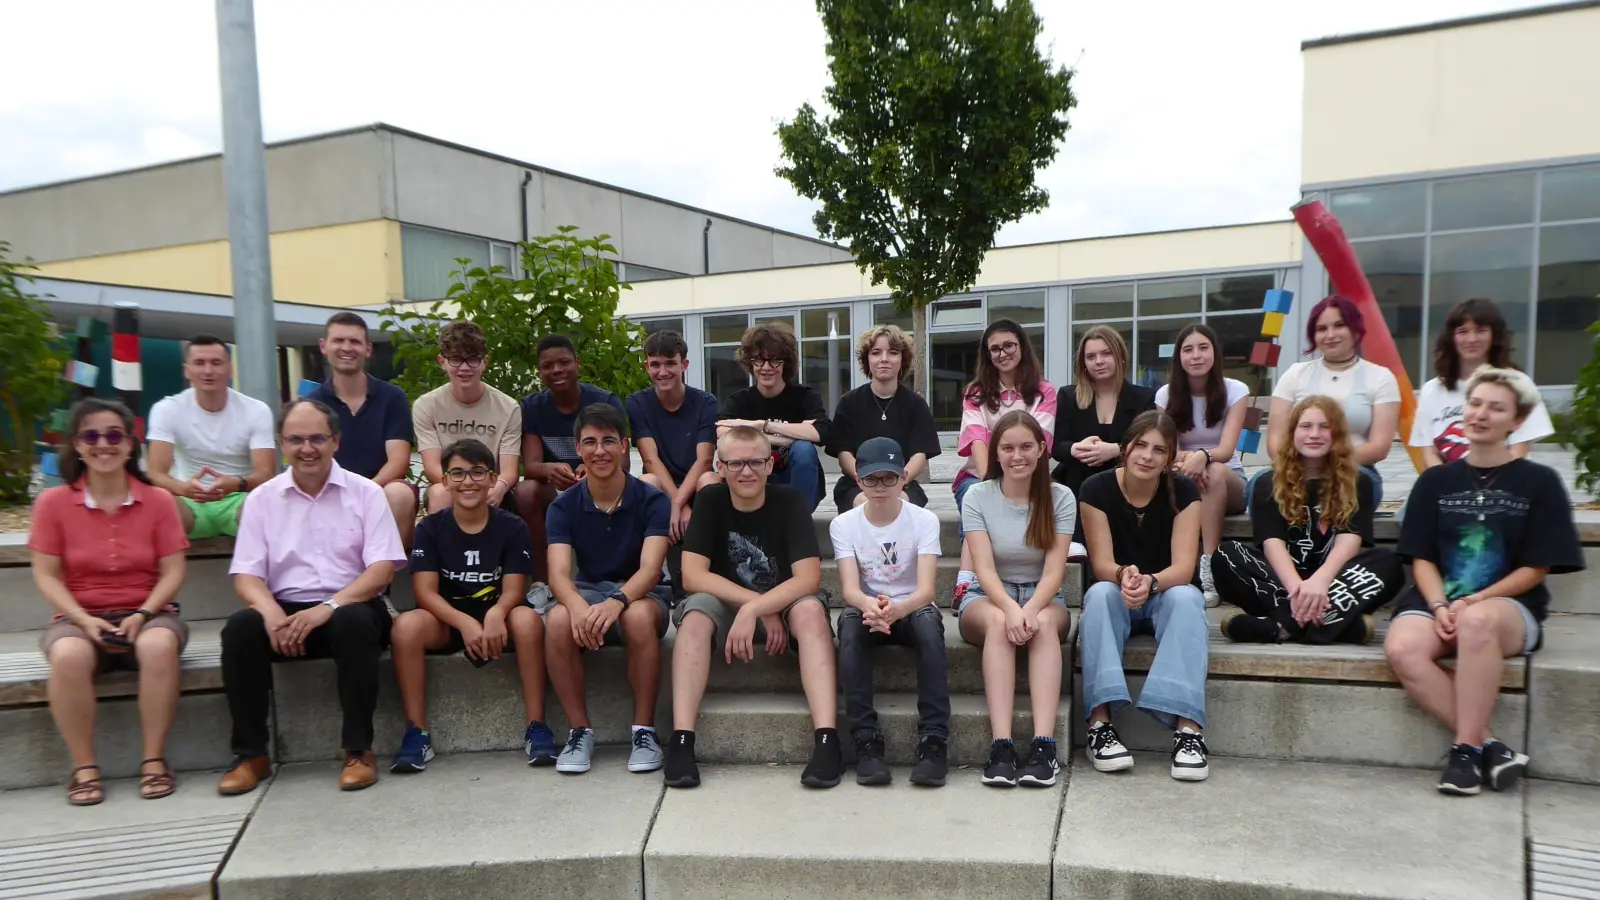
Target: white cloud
x: 1189, y: 113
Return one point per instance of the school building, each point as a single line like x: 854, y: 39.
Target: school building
x: 1462, y: 157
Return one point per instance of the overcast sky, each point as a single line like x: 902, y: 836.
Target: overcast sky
x: 1189, y: 113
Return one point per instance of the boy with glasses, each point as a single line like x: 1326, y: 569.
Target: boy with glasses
x: 608, y: 539
x: 790, y: 414
x: 888, y: 552
x: 751, y: 563
x: 466, y: 408
x: 469, y: 572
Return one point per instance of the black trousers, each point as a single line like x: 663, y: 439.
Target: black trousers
x: 355, y: 637
x: 1244, y: 578
x: 923, y: 631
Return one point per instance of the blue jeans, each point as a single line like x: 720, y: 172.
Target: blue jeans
x: 961, y: 487
x: 1372, y: 473
x: 1176, y: 684
x: 803, y: 470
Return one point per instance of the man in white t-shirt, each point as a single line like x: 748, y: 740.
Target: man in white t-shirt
x: 888, y: 551
x: 210, y: 445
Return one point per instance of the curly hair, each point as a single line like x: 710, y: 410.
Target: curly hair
x: 462, y: 338
x: 898, y: 340
x: 1447, y: 362
x: 1337, y: 496
x: 773, y: 340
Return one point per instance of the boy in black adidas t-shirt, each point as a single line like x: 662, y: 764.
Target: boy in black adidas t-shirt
x: 470, y: 564
x: 1481, y: 533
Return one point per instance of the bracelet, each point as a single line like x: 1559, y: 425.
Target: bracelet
x: 1208, y: 456
x: 1120, y: 570
x: 1438, y: 603
x: 504, y: 482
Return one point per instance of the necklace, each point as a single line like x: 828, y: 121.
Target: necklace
x: 883, y: 408
x: 1345, y: 366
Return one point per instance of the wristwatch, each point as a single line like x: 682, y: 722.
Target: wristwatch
x: 330, y: 603
x: 1155, y: 585
x: 147, y: 614
x: 620, y: 596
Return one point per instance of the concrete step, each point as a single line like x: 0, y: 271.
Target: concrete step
x: 1563, y: 840
x: 123, y: 848
x: 1378, y: 833
x: 473, y: 825
x: 886, y: 843
x: 776, y: 728
x: 1564, y: 701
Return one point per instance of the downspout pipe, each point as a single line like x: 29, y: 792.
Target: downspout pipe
x: 526, y: 177
x: 705, y: 243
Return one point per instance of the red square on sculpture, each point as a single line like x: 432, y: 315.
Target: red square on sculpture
x: 1265, y: 353
x: 1252, y: 418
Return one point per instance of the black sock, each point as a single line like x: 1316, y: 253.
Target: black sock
x: 683, y: 738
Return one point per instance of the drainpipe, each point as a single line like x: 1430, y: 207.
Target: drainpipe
x: 705, y: 241
x: 526, y: 177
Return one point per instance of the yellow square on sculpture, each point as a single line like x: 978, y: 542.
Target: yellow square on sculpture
x: 1272, y: 324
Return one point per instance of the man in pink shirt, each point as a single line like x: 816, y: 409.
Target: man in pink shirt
x: 316, y: 550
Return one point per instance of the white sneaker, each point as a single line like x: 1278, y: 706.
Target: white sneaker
x: 1106, y: 750
x: 1189, y: 756
x: 646, y: 755
x: 578, y: 754
x: 1208, y: 584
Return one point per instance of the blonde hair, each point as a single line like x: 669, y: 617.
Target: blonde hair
x: 1338, y: 496
x: 1517, y: 383
x: 743, y: 433
x: 1082, y: 384
x: 898, y: 340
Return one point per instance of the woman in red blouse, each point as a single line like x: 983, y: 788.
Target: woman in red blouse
x: 108, y: 553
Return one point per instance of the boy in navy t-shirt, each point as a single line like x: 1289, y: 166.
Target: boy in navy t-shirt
x: 674, y: 426
x: 608, y: 541
x: 470, y: 565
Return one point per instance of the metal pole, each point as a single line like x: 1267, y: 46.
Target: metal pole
x: 833, y: 360
x: 244, y: 174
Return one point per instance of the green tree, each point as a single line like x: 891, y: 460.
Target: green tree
x: 31, y: 361
x: 943, y: 111
x: 567, y: 287
x: 1582, y: 429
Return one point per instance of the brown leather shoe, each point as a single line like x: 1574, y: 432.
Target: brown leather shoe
x: 360, y: 771
x: 243, y: 776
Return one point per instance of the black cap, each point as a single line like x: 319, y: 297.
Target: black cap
x: 879, y: 454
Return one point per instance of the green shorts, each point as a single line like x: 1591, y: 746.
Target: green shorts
x: 219, y: 518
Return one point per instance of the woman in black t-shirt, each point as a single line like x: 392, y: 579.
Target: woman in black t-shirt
x: 1142, y: 523
x: 1482, y: 534
x: 884, y: 407
x: 1313, y: 575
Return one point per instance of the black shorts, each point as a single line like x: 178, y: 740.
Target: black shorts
x: 457, y: 643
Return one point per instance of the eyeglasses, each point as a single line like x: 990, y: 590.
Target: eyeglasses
x: 592, y: 444
x: 91, y: 437
x: 464, y: 362
x: 762, y: 362
x: 746, y: 465
x: 881, y: 480
x: 1006, y: 349
x: 476, y: 473
x: 300, y: 440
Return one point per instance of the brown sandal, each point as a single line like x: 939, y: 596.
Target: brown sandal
x: 86, y: 792
x: 156, y: 785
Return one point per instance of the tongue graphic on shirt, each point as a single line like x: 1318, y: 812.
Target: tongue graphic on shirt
x: 1452, y: 444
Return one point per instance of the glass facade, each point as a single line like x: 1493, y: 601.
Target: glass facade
x: 827, y: 343
x: 1529, y: 241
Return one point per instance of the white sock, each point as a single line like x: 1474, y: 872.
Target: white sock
x: 639, y: 728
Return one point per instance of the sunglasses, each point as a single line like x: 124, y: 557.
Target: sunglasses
x: 91, y: 437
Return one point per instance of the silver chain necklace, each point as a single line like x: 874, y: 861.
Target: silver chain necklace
x: 883, y: 408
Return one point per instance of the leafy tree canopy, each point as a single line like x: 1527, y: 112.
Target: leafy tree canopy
x: 31, y: 361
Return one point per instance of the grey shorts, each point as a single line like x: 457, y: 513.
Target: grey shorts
x: 595, y: 593
x: 722, y: 615
x: 167, y: 619
x: 1532, y: 631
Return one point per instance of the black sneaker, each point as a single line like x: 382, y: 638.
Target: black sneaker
x: 1242, y: 628
x: 1463, y: 776
x: 1361, y: 630
x: 827, y: 761
x: 870, y: 765
x: 1106, y: 750
x: 681, y: 770
x: 1041, y: 768
x: 1189, y: 756
x: 931, y: 766
x: 1502, y: 766
x: 1002, y: 768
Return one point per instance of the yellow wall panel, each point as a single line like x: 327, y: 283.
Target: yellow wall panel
x: 1502, y: 92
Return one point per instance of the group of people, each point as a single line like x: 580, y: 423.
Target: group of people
x: 536, y: 538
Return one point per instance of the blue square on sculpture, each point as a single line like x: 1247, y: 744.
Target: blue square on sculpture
x: 1277, y: 301
x: 307, y: 386
x: 50, y: 465
x: 1249, y: 441
x: 1165, y: 351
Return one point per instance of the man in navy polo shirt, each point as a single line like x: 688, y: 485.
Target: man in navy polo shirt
x: 674, y: 426
x: 374, y: 417
x: 608, y: 539
x: 550, y: 460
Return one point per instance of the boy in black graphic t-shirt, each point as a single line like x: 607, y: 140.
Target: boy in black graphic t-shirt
x: 751, y: 565
x: 470, y: 564
x: 1481, y: 534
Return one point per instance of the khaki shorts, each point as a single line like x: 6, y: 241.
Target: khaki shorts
x: 61, y: 628
x: 722, y: 615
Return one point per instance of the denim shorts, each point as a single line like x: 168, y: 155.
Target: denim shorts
x: 1018, y: 591
x: 1412, y: 604
x: 542, y: 599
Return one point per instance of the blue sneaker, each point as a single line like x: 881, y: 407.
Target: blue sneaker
x: 539, y: 742
x: 416, y: 749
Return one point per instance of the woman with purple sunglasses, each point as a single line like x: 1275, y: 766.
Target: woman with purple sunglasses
x: 108, y: 554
